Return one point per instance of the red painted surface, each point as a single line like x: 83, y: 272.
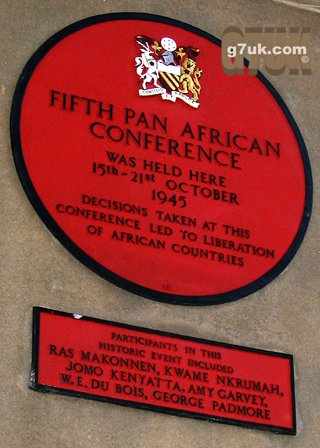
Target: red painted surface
x: 98, y: 62
x: 150, y: 369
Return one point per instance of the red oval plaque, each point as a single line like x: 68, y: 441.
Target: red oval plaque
x: 153, y: 167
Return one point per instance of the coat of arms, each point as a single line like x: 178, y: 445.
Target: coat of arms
x: 168, y: 70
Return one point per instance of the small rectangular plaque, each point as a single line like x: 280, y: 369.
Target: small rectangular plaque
x: 92, y: 358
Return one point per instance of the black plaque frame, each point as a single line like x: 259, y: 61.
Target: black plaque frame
x: 80, y: 254
x: 35, y: 385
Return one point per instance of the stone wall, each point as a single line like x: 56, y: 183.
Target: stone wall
x: 37, y: 270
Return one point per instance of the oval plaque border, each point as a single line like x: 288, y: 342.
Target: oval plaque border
x: 83, y: 257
